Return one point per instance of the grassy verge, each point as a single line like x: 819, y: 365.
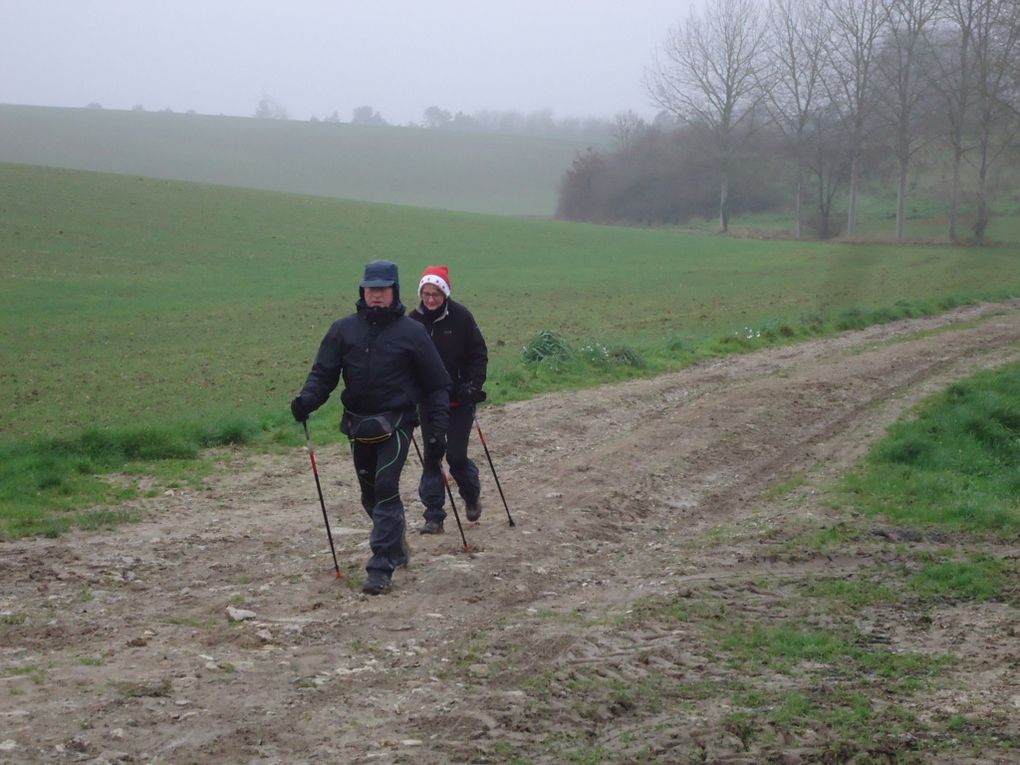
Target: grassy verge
x: 51, y: 485
x: 956, y: 465
x: 550, y: 361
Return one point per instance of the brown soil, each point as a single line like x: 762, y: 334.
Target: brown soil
x: 648, y: 514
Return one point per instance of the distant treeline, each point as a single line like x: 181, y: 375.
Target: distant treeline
x: 541, y: 122
x: 817, y: 97
x: 662, y: 175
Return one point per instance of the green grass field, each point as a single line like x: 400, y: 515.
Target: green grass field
x: 147, y: 318
x: 130, y: 301
x: 477, y: 172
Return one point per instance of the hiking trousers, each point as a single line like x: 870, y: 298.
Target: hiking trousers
x: 378, y: 467
x: 431, y: 489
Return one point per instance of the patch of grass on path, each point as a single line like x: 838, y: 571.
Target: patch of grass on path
x: 955, y: 465
x: 50, y: 485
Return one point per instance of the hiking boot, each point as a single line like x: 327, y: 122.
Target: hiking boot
x: 376, y: 583
x: 431, y: 527
x: 474, y: 510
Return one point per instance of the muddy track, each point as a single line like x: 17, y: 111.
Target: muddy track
x: 117, y: 646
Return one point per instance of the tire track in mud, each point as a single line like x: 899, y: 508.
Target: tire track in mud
x: 433, y: 672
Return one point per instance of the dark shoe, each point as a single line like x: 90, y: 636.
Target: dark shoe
x: 376, y: 583
x: 431, y: 527
x: 474, y: 510
x: 401, y: 559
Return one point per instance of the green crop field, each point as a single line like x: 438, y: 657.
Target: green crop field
x: 129, y: 301
x: 476, y: 172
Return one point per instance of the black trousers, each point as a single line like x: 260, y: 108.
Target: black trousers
x: 379, y: 467
x: 464, y: 471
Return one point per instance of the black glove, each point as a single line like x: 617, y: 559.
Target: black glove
x: 468, y: 393
x: 297, y: 408
x: 435, y: 449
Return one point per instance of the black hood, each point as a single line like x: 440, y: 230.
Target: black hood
x: 380, y: 315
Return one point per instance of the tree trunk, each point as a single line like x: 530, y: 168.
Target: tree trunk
x: 799, y: 203
x: 824, y: 225
x: 724, y: 204
x: 851, y: 213
x: 901, y: 203
x: 954, y: 194
x: 981, y: 224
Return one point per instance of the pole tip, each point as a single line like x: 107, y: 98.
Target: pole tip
x: 339, y: 575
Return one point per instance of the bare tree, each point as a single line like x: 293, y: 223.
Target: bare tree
x: 797, y: 34
x: 464, y: 121
x: 627, y: 126
x: 366, y: 115
x: 828, y: 160
x: 996, y: 47
x: 269, y: 109
x: 905, y: 85
x: 540, y: 121
x: 857, y: 27
x: 952, y: 76
x: 435, y: 117
x: 707, y: 73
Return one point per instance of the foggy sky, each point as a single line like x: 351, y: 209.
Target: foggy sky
x: 579, y: 58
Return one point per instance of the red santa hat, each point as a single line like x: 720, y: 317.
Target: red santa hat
x: 438, y: 276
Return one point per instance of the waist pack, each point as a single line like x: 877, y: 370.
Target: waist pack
x: 370, y: 428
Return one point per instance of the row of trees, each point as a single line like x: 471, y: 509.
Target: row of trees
x: 539, y: 122
x: 838, y: 81
x: 667, y: 175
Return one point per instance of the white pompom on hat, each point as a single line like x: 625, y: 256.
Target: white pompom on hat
x: 438, y: 276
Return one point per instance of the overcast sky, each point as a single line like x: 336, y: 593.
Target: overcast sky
x: 313, y: 57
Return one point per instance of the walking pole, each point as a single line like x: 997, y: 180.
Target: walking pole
x: 449, y: 493
x: 318, y: 486
x: 493, y: 468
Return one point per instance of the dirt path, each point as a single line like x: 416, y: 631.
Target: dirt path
x: 553, y: 642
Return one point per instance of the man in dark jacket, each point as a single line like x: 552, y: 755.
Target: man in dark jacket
x: 391, y: 372
x: 461, y: 346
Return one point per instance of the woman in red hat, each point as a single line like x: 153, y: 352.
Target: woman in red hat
x: 462, y: 348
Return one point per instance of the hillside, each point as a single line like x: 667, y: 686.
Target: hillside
x: 471, y: 172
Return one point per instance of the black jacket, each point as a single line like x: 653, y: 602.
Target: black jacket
x: 387, y: 363
x: 459, y: 342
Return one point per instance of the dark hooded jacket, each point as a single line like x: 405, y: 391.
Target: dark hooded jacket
x: 459, y: 341
x: 388, y: 365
